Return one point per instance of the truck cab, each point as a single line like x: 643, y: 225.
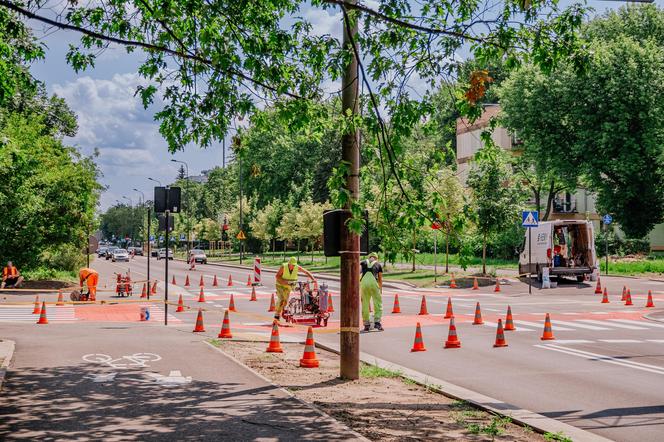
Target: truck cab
x: 565, y: 247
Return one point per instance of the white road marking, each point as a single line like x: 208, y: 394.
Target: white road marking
x: 603, y: 358
x: 538, y: 325
x: 657, y: 341
x: 518, y: 329
x: 573, y: 341
x: 621, y: 341
x: 126, y: 361
x: 571, y: 313
x: 173, y: 379
x: 639, y: 323
x: 585, y: 326
x: 629, y: 327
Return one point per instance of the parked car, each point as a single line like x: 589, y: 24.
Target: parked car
x: 109, y: 252
x: 198, y: 255
x: 101, y: 252
x: 162, y: 254
x: 154, y: 252
x: 120, y: 255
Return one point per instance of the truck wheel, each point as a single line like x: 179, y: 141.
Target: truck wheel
x: 579, y: 278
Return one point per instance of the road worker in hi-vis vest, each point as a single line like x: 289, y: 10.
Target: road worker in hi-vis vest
x: 91, y: 278
x: 11, y: 277
x: 286, y: 280
x: 371, y: 290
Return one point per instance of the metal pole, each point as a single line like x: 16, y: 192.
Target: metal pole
x: 530, y: 276
x: 435, y: 255
x: 149, y: 251
x: 241, y: 242
x: 606, y: 246
x: 350, y: 241
x: 223, y: 153
x: 167, y: 214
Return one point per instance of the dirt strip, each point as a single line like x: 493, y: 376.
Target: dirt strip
x: 381, y: 405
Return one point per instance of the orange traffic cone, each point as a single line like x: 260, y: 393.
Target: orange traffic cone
x: 418, y: 345
x: 548, y: 332
x: 598, y: 287
x: 397, y: 307
x: 248, y: 280
x: 272, y: 305
x: 330, y: 305
x: 650, y: 303
x: 154, y: 288
x: 624, y: 293
x: 453, y: 282
x: 423, y: 306
x: 199, y: 322
x: 186, y: 281
x: 37, y: 309
x: 275, y: 345
x: 215, y: 283
x: 452, y: 339
x: 42, y: 315
x: 475, y: 285
x: 605, y: 298
x: 144, y: 291
x: 309, y: 359
x: 497, y: 288
x: 225, y: 327
x: 180, y: 305
x: 449, y: 313
x: 253, y: 294
x: 201, y: 296
x: 231, y: 304
x: 173, y: 280
x: 500, y: 336
x: 478, y: 315
x: 230, y: 281
x: 628, y: 298
x: 201, y: 283
x: 61, y: 300
x: 509, y: 322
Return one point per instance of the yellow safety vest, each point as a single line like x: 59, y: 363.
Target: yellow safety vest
x: 287, y: 274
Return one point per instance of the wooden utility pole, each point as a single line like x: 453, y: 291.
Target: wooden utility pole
x: 350, y: 242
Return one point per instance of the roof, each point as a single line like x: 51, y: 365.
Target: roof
x: 463, y: 125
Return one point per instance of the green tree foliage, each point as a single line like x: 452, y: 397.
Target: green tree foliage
x: 264, y: 225
x: 124, y: 221
x: 496, y: 197
x: 48, y: 194
x: 603, y: 125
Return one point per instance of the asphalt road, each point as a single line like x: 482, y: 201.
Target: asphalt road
x: 603, y: 373
x: 142, y: 382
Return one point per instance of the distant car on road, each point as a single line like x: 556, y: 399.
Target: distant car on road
x: 120, y: 255
x: 198, y: 255
x: 101, y: 252
x: 138, y: 251
x: 162, y: 254
x: 109, y: 252
x: 154, y: 252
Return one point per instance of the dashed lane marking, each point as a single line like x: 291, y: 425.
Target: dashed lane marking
x: 621, y: 341
x: 613, y: 324
x: 638, y: 323
x: 535, y: 324
x: 576, y: 324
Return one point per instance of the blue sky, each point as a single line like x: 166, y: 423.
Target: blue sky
x: 112, y: 120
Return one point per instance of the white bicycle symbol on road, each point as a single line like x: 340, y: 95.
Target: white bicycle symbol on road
x: 128, y: 361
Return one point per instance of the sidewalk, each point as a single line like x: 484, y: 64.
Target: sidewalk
x: 155, y: 383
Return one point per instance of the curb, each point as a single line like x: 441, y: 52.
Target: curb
x: 313, y: 407
x: 401, y: 285
x: 7, y: 351
x: 537, y: 422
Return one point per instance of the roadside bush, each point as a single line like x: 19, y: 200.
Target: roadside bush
x: 621, y: 246
x: 63, y: 257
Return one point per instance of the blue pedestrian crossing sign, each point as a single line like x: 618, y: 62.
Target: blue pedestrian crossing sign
x: 151, y: 237
x: 161, y: 238
x: 607, y: 219
x: 530, y: 218
x: 182, y: 237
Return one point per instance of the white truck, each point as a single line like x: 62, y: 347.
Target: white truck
x: 565, y: 247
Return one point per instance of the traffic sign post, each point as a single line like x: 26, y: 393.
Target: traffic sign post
x: 530, y: 219
x: 606, y: 220
x: 435, y: 226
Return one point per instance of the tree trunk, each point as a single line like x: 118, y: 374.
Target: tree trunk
x: 414, y: 244
x: 447, y: 251
x: 549, y: 200
x: 484, y: 254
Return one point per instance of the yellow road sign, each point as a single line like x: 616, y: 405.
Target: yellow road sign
x: 241, y: 236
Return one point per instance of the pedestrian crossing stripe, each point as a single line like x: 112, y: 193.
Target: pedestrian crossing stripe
x: 24, y: 314
x: 585, y: 324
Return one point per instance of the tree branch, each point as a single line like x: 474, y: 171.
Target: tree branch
x: 147, y: 46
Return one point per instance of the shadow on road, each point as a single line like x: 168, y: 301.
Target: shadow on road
x: 66, y: 403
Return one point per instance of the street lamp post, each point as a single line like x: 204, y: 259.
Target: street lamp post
x: 131, y: 208
x: 186, y: 199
